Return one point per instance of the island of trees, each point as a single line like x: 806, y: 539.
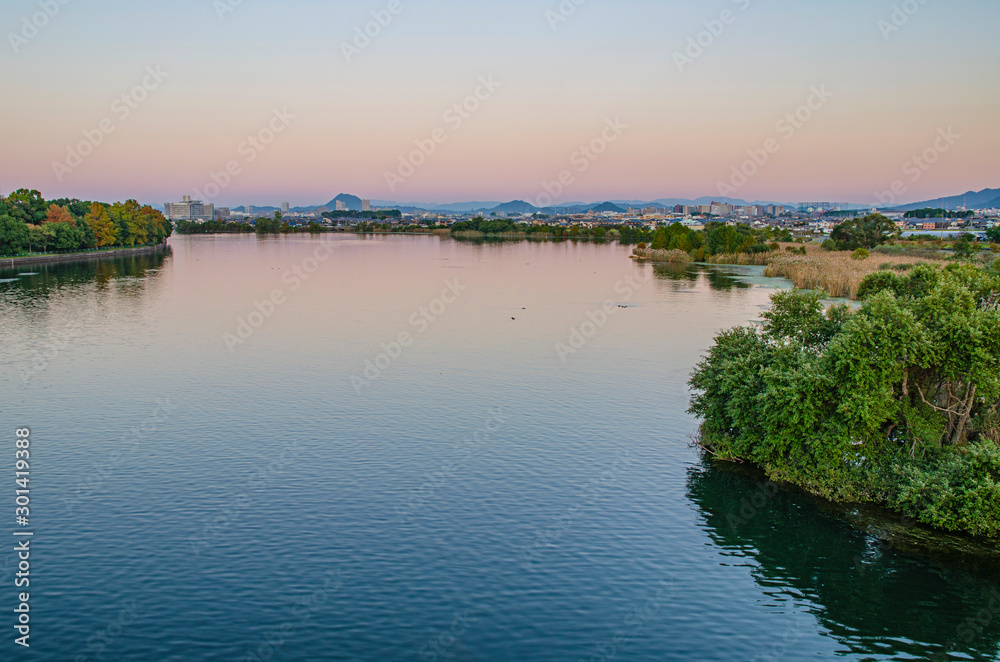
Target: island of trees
x: 895, y: 403
x: 30, y: 224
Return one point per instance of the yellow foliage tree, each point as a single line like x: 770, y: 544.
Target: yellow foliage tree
x: 100, y: 223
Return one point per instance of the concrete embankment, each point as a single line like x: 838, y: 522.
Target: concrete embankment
x: 13, y: 262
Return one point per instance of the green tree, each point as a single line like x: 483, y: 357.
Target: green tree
x: 27, y: 206
x: 13, y: 235
x: 994, y: 234
x: 868, y: 232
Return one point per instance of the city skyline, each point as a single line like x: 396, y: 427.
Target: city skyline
x: 639, y: 101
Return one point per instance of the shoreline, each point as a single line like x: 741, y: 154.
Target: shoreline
x: 32, y: 260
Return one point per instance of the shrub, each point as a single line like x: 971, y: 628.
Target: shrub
x: 958, y: 490
x: 831, y: 245
x: 860, y: 254
x: 894, y: 403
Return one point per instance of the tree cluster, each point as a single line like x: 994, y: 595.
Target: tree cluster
x: 895, y: 403
x: 29, y: 223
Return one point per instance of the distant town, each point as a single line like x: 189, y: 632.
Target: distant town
x: 817, y: 218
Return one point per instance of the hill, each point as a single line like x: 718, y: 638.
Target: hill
x: 985, y: 199
x: 353, y: 202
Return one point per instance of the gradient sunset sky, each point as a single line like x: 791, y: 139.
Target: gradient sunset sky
x: 892, y: 92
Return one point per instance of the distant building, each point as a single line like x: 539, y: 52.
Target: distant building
x: 284, y: 207
x: 341, y: 205
x: 250, y: 210
x: 366, y: 205
x: 720, y: 209
x: 189, y: 210
x: 223, y: 213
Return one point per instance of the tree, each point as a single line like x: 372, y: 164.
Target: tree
x: 104, y: 230
x: 66, y: 238
x: 27, y: 206
x: 994, y: 234
x: 868, y: 232
x: 13, y: 235
x: 57, y: 214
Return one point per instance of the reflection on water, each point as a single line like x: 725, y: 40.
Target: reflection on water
x: 719, y: 278
x: 51, y: 310
x: 42, y: 279
x: 873, y: 599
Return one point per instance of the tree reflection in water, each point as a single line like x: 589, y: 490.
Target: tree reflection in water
x: 866, y: 592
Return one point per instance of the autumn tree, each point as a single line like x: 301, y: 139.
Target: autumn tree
x: 57, y: 214
x: 99, y: 221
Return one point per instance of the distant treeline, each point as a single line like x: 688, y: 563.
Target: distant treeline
x: 30, y: 224
x: 503, y: 227
x: 938, y: 213
x: 382, y: 215
x: 262, y: 226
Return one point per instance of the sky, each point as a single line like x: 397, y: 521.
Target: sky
x: 257, y: 102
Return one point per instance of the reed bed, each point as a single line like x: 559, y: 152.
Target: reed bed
x: 742, y: 259
x: 674, y: 256
x: 837, y: 273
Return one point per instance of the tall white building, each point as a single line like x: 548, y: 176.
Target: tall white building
x: 284, y: 207
x: 189, y: 210
x: 341, y: 205
x: 366, y: 205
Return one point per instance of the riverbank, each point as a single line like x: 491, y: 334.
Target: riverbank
x: 50, y: 258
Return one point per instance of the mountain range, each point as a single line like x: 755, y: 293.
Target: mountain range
x: 985, y: 199
x: 988, y: 198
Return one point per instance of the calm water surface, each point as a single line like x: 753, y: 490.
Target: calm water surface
x: 499, y: 488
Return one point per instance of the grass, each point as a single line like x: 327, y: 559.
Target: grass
x: 837, y: 273
x: 661, y: 255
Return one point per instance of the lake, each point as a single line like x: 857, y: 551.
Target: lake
x: 412, y: 448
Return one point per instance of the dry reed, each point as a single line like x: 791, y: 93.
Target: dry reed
x: 833, y: 272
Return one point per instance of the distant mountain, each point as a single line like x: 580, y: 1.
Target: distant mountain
x: 515, y: 207
x: 985, y: 199
x: 607, y: 206
x: 353, y: 202
x: 456, y: 207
